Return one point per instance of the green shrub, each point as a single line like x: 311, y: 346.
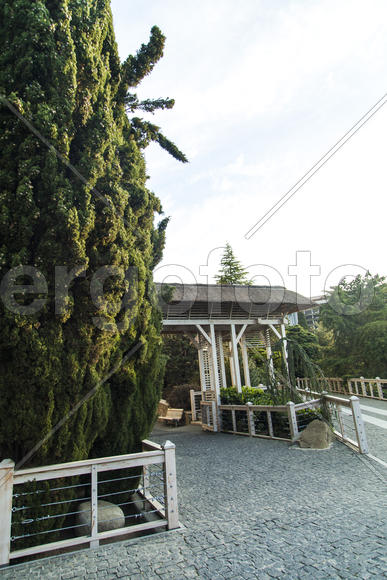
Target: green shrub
x: 178, y: 396
x: 230, y: 396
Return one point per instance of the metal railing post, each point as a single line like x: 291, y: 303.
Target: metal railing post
x: 6, y: 489
x: 94, y: 542
x: 170, y: 485
x: 250, y: 419
x: 379, y: 387
x: 359, y: 424
x: 193, y: 406
x: 292, y: 420
x: 214, y: 408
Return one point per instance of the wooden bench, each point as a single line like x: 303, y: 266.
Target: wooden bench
x: 173, y: 416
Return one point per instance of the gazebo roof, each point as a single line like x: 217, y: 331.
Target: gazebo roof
x: 217, y: 293
x: 215, y: 302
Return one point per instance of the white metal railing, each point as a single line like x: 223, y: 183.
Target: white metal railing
x: 370, y: 388
x: 209, y: 415
x: 151, y: 475
x: 332, y: 384
x: 283, y: 422
x: 347, y: 421
x: 196, y: 397
x: 361, y: 387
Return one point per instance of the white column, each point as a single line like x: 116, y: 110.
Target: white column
x: 201, y: 370
x: 235, y: 359
x: 215, y: 364
x: 221, y: 358
x: 285, y: 348
x: 245, y: 359
x: 269, y: 353
x: 232, y: 370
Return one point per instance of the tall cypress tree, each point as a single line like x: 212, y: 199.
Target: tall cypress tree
x: 74, y: 199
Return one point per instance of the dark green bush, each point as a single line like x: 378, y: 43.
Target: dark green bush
x: 178, y: 396
x: 230, y: 396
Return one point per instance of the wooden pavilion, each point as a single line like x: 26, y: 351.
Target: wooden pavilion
x: 222, y: 320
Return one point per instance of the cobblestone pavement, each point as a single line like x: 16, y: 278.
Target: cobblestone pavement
x: 252, y: 508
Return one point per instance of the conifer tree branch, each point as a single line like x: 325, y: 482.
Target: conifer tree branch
x: 135, y: 68
x: 146, y: 132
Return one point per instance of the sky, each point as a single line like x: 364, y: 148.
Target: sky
x: 263, y: 89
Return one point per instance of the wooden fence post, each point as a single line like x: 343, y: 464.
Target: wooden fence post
x: 234, y: 427
x: 292, y: 420
x: 170, y: 485
x: 6, y: 490
x: 379, y: 387
x: 193, y: 407
x: 270, y: 424
x: 214, y: 408
x: 94, y: 542
x: 359, y: 425
x: 145, y: 475
x: 250, y: 419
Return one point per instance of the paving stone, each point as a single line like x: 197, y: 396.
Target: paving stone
x: 252, y: 508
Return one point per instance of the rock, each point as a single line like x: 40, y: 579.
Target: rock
x: 110, y: 517
x: 317, y: 435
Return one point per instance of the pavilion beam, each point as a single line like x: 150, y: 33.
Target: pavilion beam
x: 215, y: 364
x: 236, y: 359
x: 238, y: 338
x: 275, y: 331
x: 245, y: 359
x: 208, y: 339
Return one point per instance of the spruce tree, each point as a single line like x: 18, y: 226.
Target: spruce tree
x: 74, y: 197
x: 231, y: 270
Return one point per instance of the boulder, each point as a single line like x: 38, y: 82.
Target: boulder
x: 317, y: 435
x: 110, y: 517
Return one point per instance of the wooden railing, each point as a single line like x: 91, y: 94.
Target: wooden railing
x: 196, y: 397
x: 370, y: 388
x: 209, y: 415
x: 347, y: 421
x: 332, y: 384
x: 156, y: 493
x: 285, y: 422
x: 281, y: 422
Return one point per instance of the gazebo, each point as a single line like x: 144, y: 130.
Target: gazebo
x: 222, y: 320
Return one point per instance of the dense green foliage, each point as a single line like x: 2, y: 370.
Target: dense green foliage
x: 181, y: 361
x: 356, y: 316
x: 230, y: 396
x: 302, y: 320
x: 179, y: 397
x: 83, y: 205
x: 231, y: 271
x: 310, y: 347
